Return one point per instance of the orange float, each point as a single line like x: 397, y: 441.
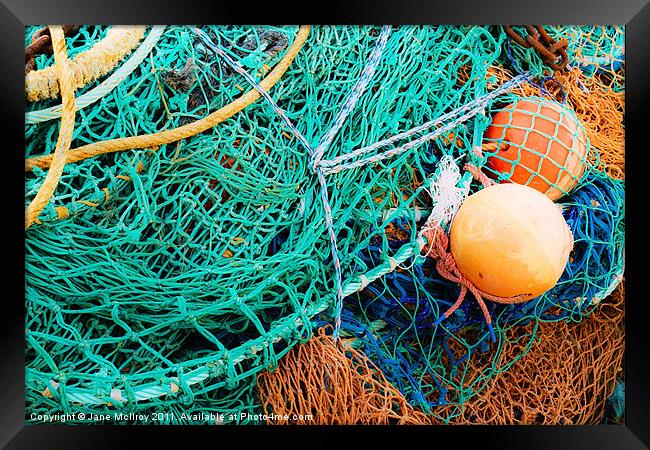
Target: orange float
x: 539, y: 143
x: 510, y: 240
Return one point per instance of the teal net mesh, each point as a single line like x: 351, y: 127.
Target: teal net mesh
x: 181, y: 272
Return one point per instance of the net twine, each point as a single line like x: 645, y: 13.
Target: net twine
x: 552, y: 384
x: 566, y: 378
x: 64, y: 155
x: 325, y: 381
x: 601, y: 112
x: 598, y: 51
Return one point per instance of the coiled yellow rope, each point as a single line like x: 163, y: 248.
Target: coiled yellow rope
x: 87, y: 66
x: 67, y: 86
x: 62, y: 154
x: 185, y: 131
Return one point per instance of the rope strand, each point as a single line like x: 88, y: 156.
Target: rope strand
x: 184, y: 131
x: 67, y: 86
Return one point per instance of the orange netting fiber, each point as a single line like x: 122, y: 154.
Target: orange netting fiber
x: 331, y: 383
x: 565, y: 378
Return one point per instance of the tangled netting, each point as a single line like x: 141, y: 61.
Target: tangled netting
x: 565, y: 378
x: 552, y: 384
x: 327, y: 382
x: 166, y: 278
x: 597, y: 51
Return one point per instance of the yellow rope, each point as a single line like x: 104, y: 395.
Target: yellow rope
x: 185, y: 131
x: 64, y: 75
x: 86, y: 66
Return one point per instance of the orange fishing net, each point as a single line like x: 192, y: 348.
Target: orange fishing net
x: 601, y: 112
x: 565, y: 378
x: 324, y: 382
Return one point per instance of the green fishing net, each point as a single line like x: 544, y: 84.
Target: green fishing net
x: 179, y: 273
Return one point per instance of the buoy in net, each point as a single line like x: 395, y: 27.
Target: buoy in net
x: 510, y: 240
x: 538, y: 143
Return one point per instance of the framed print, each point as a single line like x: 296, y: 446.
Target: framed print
x: 416, y: 222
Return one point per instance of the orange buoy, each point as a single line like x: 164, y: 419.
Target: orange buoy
x: 540, y: 144
x: 509, y: 240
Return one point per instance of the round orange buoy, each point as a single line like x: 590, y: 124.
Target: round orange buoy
x: 540, y: 144
x: 510, y: 240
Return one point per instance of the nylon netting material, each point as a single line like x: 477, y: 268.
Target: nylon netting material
x: 327, y: 382
x: 556, y: 383
x: 553, y: 384
x: 598, y: 51
x: 176, y: 268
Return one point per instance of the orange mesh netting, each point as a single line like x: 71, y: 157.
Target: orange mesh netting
x: 565, y: 378
x: 554, y: 383
x: 601, y: 112
x: 334, y: 384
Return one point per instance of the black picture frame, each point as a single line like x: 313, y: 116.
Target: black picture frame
x: 635, y: 14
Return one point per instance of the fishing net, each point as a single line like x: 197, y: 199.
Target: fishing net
x: 167, y: 276
x: 553, y: 383
x: 327, y: 382
x: 565, y: 378
x: 598, y: 51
